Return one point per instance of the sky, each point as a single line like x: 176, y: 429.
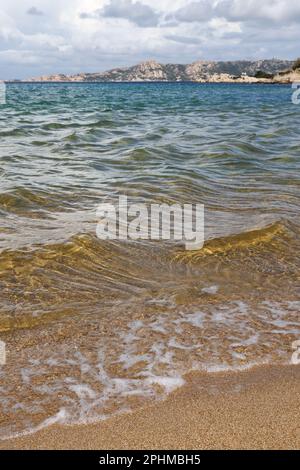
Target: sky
x: 40, y: 37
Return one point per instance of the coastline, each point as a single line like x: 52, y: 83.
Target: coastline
x: 201, y: 71
x: 144, y: 83
x: 254, y: 409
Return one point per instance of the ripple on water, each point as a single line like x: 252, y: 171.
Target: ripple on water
x: 121, y: 323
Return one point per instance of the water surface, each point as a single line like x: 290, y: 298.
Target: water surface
x: 97, y: 327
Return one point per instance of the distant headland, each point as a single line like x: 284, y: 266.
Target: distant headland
x: 242, y: 71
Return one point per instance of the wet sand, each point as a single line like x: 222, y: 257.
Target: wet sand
x: 255, y: 409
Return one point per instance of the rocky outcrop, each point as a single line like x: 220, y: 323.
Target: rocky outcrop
x: 206, y: 71
x: 200, y: 71
x: 60, y: 77
x: 289, y: 76
x: 147, y: 71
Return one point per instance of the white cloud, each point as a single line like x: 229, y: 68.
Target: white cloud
x: 222, y: 27
x: 199, y: 11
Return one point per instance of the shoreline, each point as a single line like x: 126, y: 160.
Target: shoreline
x: 257, y: 408
x: 44, y: 82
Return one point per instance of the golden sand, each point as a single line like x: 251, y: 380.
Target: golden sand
x: 256, y: 409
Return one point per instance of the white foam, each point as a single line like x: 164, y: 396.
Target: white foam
x: 160, y: 354
x: 216, y: 368
x: 83, y: 391
x: 130, y: 360
x: 174, y: 344
x: 247, y: 342
x: 210, y: 290
x: 159, y: 325
x: 59, y: 418
x: 195, y: 319
x: 136, y: 325
x: 168, y: 383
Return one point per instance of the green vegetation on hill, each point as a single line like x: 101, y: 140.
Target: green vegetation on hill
x: 262, y: 74
x: 296, y: 64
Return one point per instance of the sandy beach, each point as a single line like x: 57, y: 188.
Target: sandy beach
x: 255, y: 409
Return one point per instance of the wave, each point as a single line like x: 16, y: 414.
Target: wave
x: 21, y: 198
x: 37, y: 202
x: 60, y: 279
x: 85, y: 250
x: 268, y: 237
x: 16, y: 132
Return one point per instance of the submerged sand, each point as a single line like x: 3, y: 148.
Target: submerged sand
x: 254, y: 409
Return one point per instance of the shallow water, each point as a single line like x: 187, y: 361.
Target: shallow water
x: 95, y: 327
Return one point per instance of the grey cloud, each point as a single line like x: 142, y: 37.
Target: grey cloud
x: 137, y: 12
x: 85, y: 16
x: 274, y: 11
x: 200, y: 11
x: 34, y: 11
x: 266, y: 11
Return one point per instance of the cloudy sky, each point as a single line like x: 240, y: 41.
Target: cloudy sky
x: 49, y: 36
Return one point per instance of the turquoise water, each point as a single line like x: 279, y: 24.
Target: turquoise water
x: 122, y: 322
x: 234, y: 148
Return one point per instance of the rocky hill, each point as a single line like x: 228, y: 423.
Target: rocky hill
x: 152, y: 71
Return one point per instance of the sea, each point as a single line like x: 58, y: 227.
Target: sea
x: 92, y: 328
